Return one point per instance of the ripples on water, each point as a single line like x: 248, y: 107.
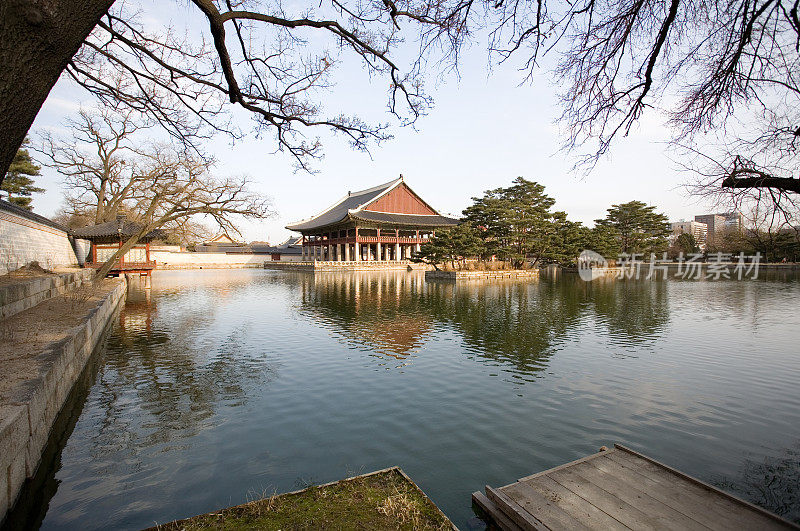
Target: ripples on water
x: 225, y: 385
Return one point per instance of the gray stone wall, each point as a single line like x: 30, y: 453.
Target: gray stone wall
x: 24, y: 240
x: 17, y: 297
x: 27, y: 417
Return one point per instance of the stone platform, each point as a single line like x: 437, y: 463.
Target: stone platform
x: 336, y: 265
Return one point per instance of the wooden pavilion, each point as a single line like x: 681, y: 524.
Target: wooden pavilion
x: 385, y: 223
x: 107, y: 237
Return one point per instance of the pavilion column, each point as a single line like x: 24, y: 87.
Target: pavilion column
x: 347, y: 252
x: 397, y: 255
x: 378, y: 251
x: 330, y: 252
x: 357, y: 250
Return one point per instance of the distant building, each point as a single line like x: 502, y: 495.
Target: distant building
x: 290, y: 250
x: 721, y: 223
x: 221, y: 244
x: 386, y: 222
x: 695, y: 228
x: 734, y: 221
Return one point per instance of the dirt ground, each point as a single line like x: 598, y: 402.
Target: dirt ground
x: 29, y: 272
x: 24, y: 335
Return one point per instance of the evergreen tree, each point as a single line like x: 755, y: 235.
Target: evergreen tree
x: 451, y: 245
x: 603, y: 240
x: 569, y: 239
x: 517, y: 222
x: 638, y: 227
x: 18, y: 183
x: 686, y: 244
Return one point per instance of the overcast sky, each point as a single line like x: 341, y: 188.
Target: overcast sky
x: 484, y: 131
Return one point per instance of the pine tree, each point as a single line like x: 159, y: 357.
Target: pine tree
x: 18, y: 183
x: 451, y: 245
x: 517, y: 221
x: 638, y: 227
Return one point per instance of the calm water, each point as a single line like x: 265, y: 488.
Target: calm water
x: 229, y: 384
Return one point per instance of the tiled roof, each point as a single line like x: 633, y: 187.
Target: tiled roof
x: 339, y: 210
x: 25, y: 213
x: 351, y: 207
x: 113, y: 229
x: 405, y: 219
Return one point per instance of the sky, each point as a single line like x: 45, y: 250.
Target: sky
x: 484, y: 130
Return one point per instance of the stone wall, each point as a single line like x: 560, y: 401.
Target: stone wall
x: 22, y: 295
x: 187, y: 260
x: 28, y: 416
x: 26, y: 237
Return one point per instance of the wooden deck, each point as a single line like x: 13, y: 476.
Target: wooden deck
x: 619, y: 489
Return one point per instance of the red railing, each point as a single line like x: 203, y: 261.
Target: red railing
x: 127, y: 266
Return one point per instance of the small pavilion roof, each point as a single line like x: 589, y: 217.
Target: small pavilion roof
x: 352, y: 207
x: 112, y: 230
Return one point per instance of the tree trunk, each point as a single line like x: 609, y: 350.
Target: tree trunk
x: 37, y: 40
x: 127, y: 246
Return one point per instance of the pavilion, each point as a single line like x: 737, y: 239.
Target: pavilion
x: 107, y: 238
x: 387, y: 222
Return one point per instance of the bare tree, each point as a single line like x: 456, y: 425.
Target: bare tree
x: 172, y: 191
x: 727, y: 66
x: 262, y: 57
x: 108, y: 171
x: 98, y: 162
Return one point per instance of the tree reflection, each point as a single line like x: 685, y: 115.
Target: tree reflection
x: 519, y: 324
x: 516, y: 323
x: 178, y: 372
x: 635, y: 310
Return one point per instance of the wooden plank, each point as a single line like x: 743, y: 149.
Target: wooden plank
x: 492, y: 512
x: 607, y: 502
x: 730, y: 514
x: 520, y: 516
x: 666, y: 516
x: 566, y: 465
x: 680, y: 500
x: 577, y: 507
x: 754, y: 508
x: 542, y: 508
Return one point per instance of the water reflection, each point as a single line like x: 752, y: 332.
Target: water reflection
x: 226, y: 383
x: 180, y: 372
x: 381, y: 313
x: 772, y: 483
x: 516, y: 324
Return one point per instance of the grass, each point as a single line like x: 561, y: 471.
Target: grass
x: 382, y: 500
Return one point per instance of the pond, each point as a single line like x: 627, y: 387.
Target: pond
x: 224, y: 385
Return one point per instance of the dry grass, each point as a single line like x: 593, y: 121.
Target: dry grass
x: 384, y: 500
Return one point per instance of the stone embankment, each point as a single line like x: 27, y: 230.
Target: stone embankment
x: 27, y: 293
x: 352, y: 265
x: 482, y: 275
x: 43, y: 351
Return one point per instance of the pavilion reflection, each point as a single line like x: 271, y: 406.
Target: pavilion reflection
x: 379, y: 311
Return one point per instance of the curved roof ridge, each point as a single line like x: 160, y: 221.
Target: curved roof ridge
x: 341, y: 208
